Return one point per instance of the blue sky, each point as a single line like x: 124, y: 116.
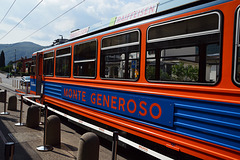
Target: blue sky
x: 86, y: 14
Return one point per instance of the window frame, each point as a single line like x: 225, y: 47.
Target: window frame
x: 47, y: 59
x: 119, y: 46
x: 64, y: 55
x: 96, y: 58
x: 33, y: 65
x: 219, y: 30
x: 236, y: 46
x: 185, y: 35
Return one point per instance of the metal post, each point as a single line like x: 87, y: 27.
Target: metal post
x: 9, y: 150
x: 114, y: 145
x: 40, y: 111
x: 21, y: 108
x: 27, y: 87
x: 5, y: 104
x: 45, y: 147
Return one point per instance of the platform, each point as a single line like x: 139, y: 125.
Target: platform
x: 27, y: 140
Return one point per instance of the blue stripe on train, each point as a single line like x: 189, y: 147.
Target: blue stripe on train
x: 214, y: 122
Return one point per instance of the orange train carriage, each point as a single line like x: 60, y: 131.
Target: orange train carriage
x: 168, y: 73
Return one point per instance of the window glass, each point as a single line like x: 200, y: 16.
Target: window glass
x: 194, y: 58
x: 120, y: 39
x: 63, y: 51
x: 238, y: 65
x: 121, y: 62
x: 237, y: 49
x: 48, y: 64
x: 85, y: 59
x: 63, y: 62
x: 183, y: 27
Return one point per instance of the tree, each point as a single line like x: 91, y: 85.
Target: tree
x: 185, y: 73
x: 10, y: 63
x: 19, y: 66
x: 2, y: 60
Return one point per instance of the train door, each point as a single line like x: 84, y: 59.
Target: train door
x: 39, y: 74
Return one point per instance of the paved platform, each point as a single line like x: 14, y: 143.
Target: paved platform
x: 27, y: 139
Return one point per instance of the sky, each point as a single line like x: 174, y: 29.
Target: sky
x: 44, y: 24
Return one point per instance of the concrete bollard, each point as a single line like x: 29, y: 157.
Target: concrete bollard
x: 12, y: 103
x: 53, y: 133
x: 88, y: 147
x: 32, y: 117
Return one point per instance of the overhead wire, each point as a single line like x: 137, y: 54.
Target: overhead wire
x: 22, y: 19
x: 8, y: 11
x: 53, y: 20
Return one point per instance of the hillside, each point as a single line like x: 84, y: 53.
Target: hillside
x: 23, y: 49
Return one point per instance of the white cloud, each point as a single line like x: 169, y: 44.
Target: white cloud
x: 15, y: 21
x: 86, y: 14
x: 64, y: 25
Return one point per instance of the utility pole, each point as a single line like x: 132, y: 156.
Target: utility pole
x: 15, y: 64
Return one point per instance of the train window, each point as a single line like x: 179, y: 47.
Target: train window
x: 63, y: 62
x: 120, y: 56
x: 237, y: 49
x: 185, y: 50
x: 186, y: 27
x: 48, y: 63
x: 85, y: 59
x: 33, y: 66
x: 121, y: 39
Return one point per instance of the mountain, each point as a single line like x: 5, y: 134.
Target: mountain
x: 22, y: 49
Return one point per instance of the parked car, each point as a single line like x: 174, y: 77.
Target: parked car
x: 24, y: 80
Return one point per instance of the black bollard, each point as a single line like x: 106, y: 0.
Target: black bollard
x: 12, y: 103
x: 53, y: 134
x: 88, y: 147
x: 44, y: 147
x: 33, y: 117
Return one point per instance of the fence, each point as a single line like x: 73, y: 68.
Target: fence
x: 16, y: 83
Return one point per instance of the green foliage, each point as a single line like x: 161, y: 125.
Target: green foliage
x: 19, y: 66
x: 164, y: 75
x: 192, y: 73
x: 184, y: 73
x: 7, y: 68
x: 10, y: 63
x: 150, y: 72
x: 178, y: 71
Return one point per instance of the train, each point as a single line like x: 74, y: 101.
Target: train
x: 167, y: 74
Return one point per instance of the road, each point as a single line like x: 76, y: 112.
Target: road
x: 9, y: 81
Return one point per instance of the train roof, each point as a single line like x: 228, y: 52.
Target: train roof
x: 151, y: 12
